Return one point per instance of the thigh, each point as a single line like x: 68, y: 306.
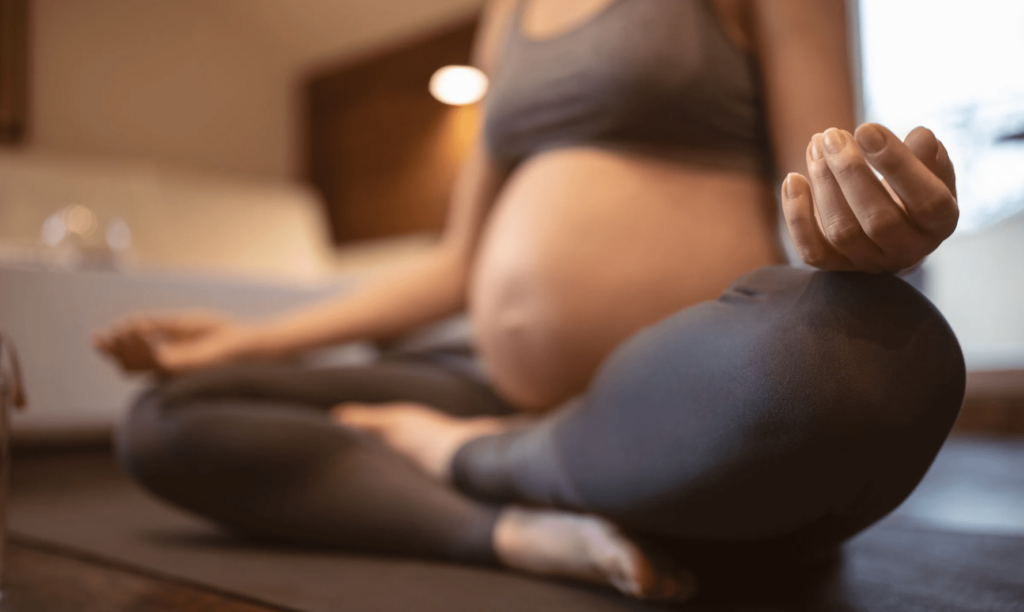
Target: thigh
x: 426, y: 377
x: 250, y: 448
x: 799, y: 405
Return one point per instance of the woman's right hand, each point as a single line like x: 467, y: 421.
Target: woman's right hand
x: 176, y: 343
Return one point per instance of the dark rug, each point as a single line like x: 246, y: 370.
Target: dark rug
x: 933, y: 554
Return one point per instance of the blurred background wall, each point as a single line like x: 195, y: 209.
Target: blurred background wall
x: 211, y: 85
x: 156, y: 154
x: 295, y: 141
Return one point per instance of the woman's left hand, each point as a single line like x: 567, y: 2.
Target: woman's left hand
x: 845, y: 218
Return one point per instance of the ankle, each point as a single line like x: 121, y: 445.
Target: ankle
x: 468, y: 430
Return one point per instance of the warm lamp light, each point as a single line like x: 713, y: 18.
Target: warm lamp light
x: 458, y: 85
x: 80, y: 220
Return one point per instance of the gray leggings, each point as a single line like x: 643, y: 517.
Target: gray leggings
x: 787, y: 415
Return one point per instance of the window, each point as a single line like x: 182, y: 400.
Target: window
x: 958, y: 68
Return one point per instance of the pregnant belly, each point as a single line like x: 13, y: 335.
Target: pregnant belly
x: 585, y: 247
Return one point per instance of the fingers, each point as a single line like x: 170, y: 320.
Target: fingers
x: 946, y: 172
x: 927, y: 148
x: 169, y: 344
x: 810, y: 243
x: 884, y: 222
x: 831, y: 163
x: 130, y: 343
x: 126, y: 327
x: 845, y: 218
x: 928, y: 200
x: 175, y: 326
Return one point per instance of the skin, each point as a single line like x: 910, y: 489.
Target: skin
x: 516, y: 247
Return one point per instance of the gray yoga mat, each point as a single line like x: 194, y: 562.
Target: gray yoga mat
x: 83, y: 503
x: 910, y: 561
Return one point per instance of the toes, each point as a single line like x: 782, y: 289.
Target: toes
x: 623, y: 565
x: 659, y: 581
x: 632, y: 571
x: 635, y: 571
x: 585, y: 547
x: 648, y: 578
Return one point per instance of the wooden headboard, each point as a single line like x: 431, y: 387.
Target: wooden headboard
x: 380, y: 149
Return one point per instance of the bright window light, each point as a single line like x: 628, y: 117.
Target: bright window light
x: 458, y: 85
x: 955, y: 67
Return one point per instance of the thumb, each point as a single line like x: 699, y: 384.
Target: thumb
x: 930, y: 150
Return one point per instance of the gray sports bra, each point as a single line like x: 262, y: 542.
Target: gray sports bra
x: 659, y: 76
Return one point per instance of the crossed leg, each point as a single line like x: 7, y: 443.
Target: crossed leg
x: 537, y: 540
x: 795, y: 410
x: 253, y: 449
x: 789, y: 414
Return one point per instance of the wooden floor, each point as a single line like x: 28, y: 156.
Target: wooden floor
x: 994, y: 403
x: 39, y: 579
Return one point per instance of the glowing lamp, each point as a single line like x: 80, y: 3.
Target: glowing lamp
x: 458, y: 85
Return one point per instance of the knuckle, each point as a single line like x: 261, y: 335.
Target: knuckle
x: 844, y: 168
x: 843, y: 233
x: 883, y: 225
x: 847, y: 166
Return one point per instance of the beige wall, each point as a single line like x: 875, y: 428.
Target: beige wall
x: 168, y: 81
x: 313, y: 33
x: 200, y: 84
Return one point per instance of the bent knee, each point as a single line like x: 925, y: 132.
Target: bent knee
x: 896, y: 348
x: 162, y: 437
x: 860, y: 364
x: 158, y: 422
x: 141, y: 443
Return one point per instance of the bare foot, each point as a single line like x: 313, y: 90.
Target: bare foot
x: 546, y: 542
x: 429, y: 438
x: 583, y: 547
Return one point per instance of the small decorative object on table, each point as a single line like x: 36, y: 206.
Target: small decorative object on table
x: 11, y: 393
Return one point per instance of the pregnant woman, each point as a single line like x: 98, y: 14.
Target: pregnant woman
x: 633, y: 398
